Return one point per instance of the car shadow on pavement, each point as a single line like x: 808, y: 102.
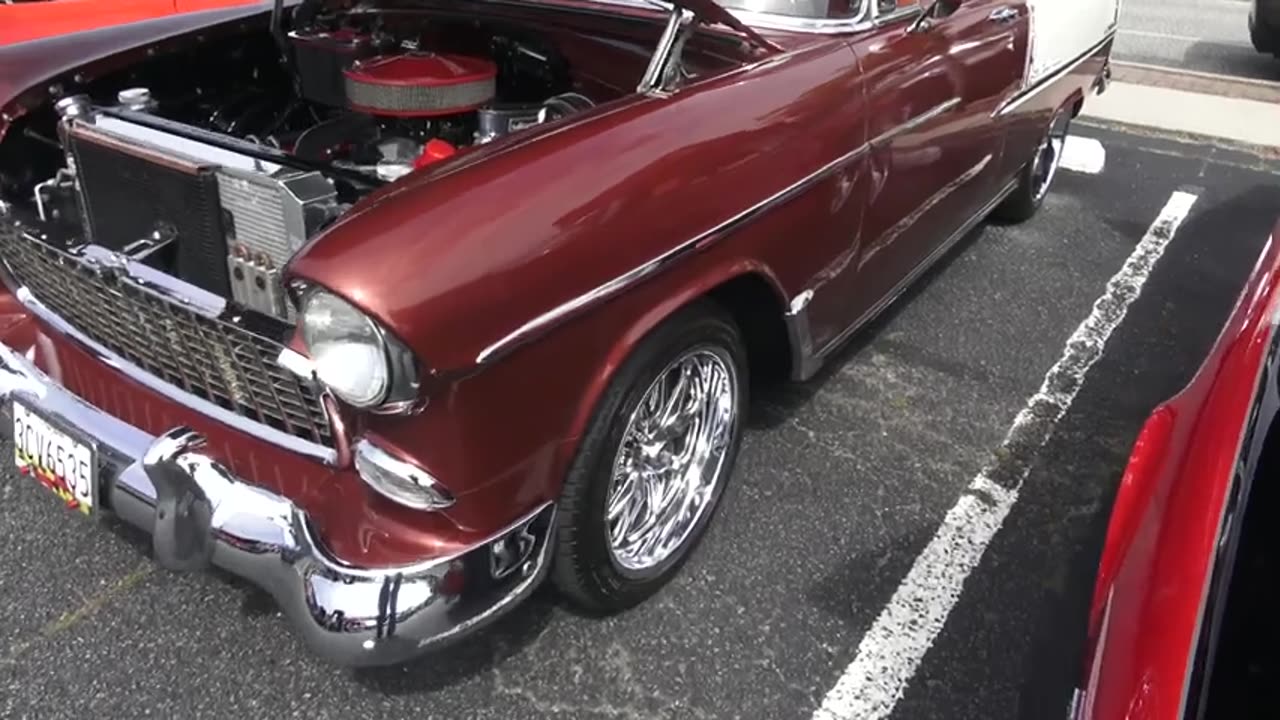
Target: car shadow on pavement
x: 489, y: 647
x: 775, y: 404
x: 1237, y: 59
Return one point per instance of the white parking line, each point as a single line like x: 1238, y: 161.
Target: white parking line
x: 1083, y: 155
x: 891, y: 651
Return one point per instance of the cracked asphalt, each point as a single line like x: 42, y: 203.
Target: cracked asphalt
x: 842, y: 481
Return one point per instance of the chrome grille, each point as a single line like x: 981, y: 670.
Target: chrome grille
x: 209, y: 358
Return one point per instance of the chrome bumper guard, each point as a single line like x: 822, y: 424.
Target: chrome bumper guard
x: 198, y: 514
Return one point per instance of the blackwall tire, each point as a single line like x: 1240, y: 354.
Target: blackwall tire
x: 1037, y: 176
x: 1265, y: 38
x: 603, y: 565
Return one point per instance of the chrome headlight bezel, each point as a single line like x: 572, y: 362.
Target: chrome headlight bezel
x: 393, y: 370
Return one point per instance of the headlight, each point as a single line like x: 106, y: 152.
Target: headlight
x: 349, y: 351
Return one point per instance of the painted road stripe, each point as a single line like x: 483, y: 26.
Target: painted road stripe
x: 892, y: 649
x: 1083, y: 155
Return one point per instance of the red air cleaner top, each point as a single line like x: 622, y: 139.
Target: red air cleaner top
x: 420, y: 84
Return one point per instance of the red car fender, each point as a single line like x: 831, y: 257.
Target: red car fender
x: 1163, y: 537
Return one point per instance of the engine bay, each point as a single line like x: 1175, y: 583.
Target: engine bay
x: 393, y: 103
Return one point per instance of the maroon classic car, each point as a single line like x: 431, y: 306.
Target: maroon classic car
x: 398, y: 308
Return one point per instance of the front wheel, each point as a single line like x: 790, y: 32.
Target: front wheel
x: 654, y: 462
x: 1037, y: 176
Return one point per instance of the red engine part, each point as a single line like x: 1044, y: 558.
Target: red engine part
x: 434, y: 151
x: 420, y: 85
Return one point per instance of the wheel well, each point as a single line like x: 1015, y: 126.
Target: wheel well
x: 1077, y: 106
x: 758, y: 311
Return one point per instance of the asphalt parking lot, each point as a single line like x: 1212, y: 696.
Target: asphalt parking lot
x: 1201, y: 35
x: 842, y: 483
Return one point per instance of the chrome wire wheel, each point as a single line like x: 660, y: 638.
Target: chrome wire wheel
x: 1048, y: 158
x: 669, y: 465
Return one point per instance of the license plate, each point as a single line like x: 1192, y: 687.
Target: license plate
x: 58, y: 461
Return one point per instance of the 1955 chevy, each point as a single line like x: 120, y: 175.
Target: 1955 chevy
x: 396, y: 308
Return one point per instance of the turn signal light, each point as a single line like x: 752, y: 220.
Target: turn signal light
x: 398, y: 480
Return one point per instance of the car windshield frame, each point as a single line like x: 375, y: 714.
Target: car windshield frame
x: 773, y: 15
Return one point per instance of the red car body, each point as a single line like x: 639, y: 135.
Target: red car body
x: 33, y: 20
x: 1158, y: 606
x: 803, y: 188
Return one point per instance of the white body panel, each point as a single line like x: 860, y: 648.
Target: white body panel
x: 1063, y: 30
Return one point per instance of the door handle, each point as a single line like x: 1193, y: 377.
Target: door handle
x: 1002, y: 15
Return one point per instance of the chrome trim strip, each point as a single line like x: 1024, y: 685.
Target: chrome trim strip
x: 801, y: 301
x: 1016, y: 100
x: 551, y: 317
x: 266, y: 432
x: 915, y: 122
x: 804, y: 362
x: 911, y: 277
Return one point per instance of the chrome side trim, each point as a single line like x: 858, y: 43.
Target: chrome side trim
x: 559, y: 313
x: 549, y: 318
x: 804, y: 361
x: 106, y: 357
x: 915, y: 273
x: 800, y: 302
x: 1016, y: 101
x: 915, y: 122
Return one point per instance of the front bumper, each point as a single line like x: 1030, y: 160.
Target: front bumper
x: 198, y: 513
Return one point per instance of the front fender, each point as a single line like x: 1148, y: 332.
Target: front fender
x: 493, y: 250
